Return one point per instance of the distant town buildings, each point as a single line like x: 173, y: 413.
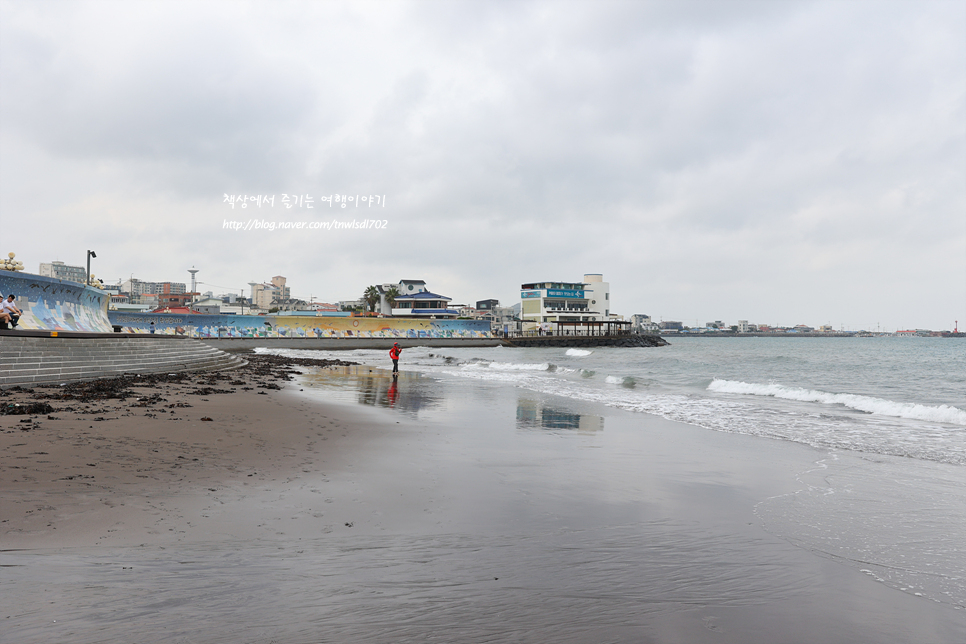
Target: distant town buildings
x: 503, y: 319
x: 61, y: 271
x: 641, y: 323
x: 272, y: 294
x: 155, y: 294
x: 541, y: 303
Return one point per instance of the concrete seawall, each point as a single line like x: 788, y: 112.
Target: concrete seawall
x: 56, y: 305
x: 31, y: 358
x: 299, y: 327
x: 64, y: 335
x: 346, y: 344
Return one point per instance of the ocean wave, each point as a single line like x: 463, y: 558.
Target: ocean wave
x: 623, y: 381
x: 512, y: 366
x: 868, y: 404
x: 578, y: 353
x: 836, y: 431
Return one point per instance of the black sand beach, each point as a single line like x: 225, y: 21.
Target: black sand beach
x: 352, y: 511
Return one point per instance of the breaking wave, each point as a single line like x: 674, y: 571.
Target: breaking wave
x: 578, y: 353
x: 623, y: 381
x: 868, y: 404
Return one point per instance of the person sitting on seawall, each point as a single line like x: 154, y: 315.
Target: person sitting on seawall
x: 11, y: 313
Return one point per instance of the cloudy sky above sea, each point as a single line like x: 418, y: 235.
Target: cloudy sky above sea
x: 781, y: 162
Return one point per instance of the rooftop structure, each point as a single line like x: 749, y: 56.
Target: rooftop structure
x: 408, y: 287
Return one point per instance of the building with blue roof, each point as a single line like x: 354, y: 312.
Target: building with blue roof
x: 414, y: 300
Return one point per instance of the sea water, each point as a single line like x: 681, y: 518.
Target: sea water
x: 886, y: 416
x: 893, y: 396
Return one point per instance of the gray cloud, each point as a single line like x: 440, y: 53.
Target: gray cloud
x: 713, y: 159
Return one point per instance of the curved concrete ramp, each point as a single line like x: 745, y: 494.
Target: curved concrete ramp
x: 56, y: 305
x: 35, y: 357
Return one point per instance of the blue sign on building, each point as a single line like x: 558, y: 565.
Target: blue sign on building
x: 565, y: 293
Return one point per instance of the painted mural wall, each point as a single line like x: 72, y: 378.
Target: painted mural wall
x: 50, y: 304
x: 296, y: 326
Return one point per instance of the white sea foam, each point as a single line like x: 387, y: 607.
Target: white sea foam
x: 820, y: 430
x: 510, y: 366
x: 623, y: 381
x: 937, y: 414
x: 578, y: 353
x: 903, y: 429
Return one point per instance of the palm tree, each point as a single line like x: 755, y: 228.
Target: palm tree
x: 391, y: 294
x: 371, y: 297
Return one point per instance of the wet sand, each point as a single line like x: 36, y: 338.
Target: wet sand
x: 430, y: 512
x: 130, y: 460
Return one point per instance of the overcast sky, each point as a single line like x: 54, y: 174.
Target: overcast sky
x: 780, y: 162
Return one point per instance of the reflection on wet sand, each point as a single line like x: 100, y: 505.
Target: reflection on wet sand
x: 538, y: 414
x: 409, y: 393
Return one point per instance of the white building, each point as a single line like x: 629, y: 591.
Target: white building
x: 424, y: 304
x: 61, y: 271
x: 269, y: 295
x: 404, y: 287
x: 209, y: 306
x: 410, y: 287
x: 413, y: 299
x: 587, y: 301
x: 643, y: 323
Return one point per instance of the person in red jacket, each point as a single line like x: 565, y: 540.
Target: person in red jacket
x: 394, y: 354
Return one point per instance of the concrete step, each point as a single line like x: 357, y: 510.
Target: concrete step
x: 34, y: 360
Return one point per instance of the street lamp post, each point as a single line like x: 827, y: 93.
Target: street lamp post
x: 253, y: 284
x: 90, y: 254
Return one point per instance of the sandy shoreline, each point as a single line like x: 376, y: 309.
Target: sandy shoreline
x: 134, y: 460
x: 438, y: 512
